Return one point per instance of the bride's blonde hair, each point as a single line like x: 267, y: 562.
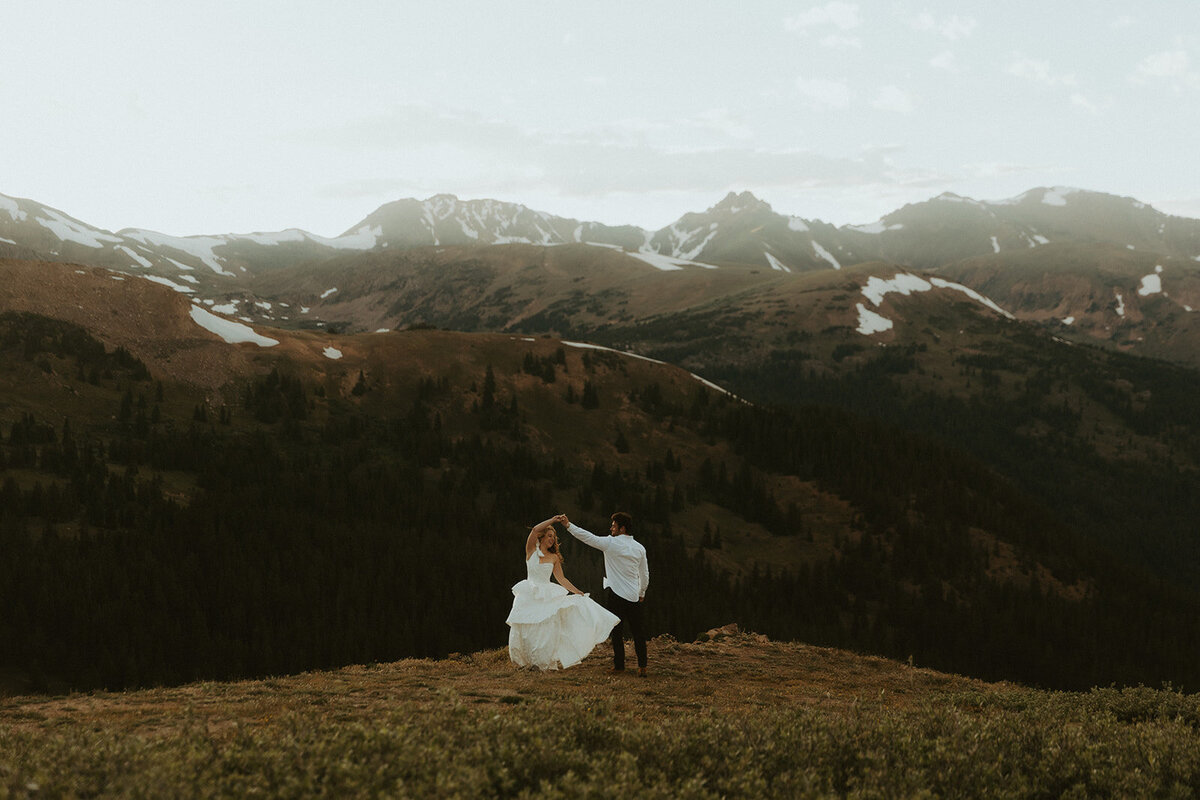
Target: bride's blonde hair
x: 555, y: 550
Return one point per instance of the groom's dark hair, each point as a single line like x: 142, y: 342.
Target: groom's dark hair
x: 623, y: 520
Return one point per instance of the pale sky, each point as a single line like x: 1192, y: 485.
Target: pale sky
x: 223, y: 117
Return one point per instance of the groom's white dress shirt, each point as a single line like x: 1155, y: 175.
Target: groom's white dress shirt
x: 625, y: 569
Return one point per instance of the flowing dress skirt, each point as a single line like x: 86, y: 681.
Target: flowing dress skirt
x: 549, y: 627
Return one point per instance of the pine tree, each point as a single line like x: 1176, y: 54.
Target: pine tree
x: 591, y: 399
x: 126, y: 411
x: 488, y: 399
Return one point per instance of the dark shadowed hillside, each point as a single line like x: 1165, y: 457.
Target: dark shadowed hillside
x: 333, y: 499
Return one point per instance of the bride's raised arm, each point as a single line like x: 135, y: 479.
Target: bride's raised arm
x: 536, y: 533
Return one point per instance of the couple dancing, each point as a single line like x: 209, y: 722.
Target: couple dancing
x: 553, y: 624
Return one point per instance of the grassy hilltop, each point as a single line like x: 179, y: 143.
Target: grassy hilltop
x: 734, y: 715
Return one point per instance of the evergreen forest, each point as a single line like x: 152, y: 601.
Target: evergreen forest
x: 164, y: 540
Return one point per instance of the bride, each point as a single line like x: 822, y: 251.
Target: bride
x: 552, y: 624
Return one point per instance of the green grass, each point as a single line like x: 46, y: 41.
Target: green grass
x: 486, y: 729
x: 1035, y: 746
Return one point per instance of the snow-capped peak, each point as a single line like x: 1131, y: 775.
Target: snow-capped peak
x: 1053, y: 196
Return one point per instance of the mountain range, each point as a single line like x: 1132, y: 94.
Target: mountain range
x: 1095, y: 266
x: 740, y: 229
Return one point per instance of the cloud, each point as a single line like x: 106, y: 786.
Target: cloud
x: 999, y: 169
x: 1170, y: 67
x: 1039, y: 71
x: 842, y: 15
x: 893, y: 98
x: 1085, y: 102
x: 837, y: 42
x: 501, y: 159
x: 719, y: 120
x: 945, y: 60
x: 820, y: 92
x: 1082, y: 101
x: 952, y: 28
x: 1122, y: 22
x: 1169, y: 64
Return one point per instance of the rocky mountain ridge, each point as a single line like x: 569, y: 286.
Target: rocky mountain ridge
x: 740, y: 229
x: 1093, y: 267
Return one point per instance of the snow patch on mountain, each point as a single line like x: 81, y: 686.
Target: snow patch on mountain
x: 776, y: 264
x: 688, y: 255
x: 1120, y: 304
x: 1069, y: 321
x: 1151, y: 284
x: 9, y: 204
x: 1055, y: 196
x: 797, y: 224
x: 68, y: 230
x: 825, y: 254
x: 683, y: 243
x: 951, y: 197
x: 333, y: 353
x: 590, y: 346
x: 199, y: 247
x: 232, y: 332
x: 137, y: 259
x: 971, y: 293
x: 364, y: 238
x: 875, y: 227
x: 170, y: 284
x: 273, y: 239
x: 427, y: 218
x: 1058, y: 195
x: 6, y: 241
x: 667, y: 263
x: 902, y: 283
x: 906, y: 283
x: 869, y: 322
x: 328, y: 292
x: 995, y: 245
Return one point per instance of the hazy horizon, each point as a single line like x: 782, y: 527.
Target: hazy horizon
x: 264, y: 116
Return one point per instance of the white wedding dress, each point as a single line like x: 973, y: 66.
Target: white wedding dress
x: 549, y: 626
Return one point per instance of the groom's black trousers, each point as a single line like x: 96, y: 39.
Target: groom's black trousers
x: 631, y: 614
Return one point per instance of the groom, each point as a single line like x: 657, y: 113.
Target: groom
x: 626, y: 576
